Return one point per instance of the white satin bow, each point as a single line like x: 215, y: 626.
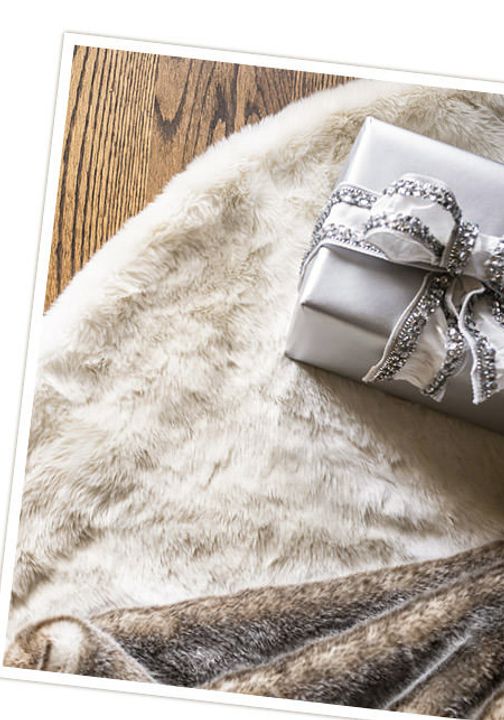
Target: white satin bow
x: 459, y: 309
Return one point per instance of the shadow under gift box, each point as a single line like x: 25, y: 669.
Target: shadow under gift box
x: 348, y: 302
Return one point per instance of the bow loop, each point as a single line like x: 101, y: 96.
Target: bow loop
x: 459, y: 309
x: 418, y: 208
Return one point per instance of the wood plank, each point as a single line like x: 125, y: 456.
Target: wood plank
x: 106, y: 149
x: 133, y: 121
x: 199, y: 102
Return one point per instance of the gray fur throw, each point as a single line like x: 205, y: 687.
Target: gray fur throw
x: 423, y: 638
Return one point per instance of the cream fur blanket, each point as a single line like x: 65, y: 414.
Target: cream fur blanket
x: 175, y: 451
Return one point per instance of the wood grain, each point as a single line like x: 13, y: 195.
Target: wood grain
x: 133, y: 121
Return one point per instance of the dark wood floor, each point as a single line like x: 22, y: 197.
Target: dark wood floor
x: 133, y: 121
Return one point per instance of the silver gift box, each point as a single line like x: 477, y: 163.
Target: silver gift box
x: 348, y: 302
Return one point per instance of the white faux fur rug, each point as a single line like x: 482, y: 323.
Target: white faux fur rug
x: 175, y: 451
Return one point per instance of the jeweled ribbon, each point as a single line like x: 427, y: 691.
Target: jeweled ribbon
x: 459, y: 309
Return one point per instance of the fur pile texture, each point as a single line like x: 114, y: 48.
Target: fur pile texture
x: 176, y: 452
x: 423, y: 638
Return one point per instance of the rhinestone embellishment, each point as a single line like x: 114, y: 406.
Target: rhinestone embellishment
x: 498, y: 310
x: 460, y: 247
x: 343, y: 235
x: 350, y: 195
x: 454, y: 358
x: 344, y: 193
x: 486, y: 371
x: 447, y: 262
x: 430, y: 191
x: 354, y: 195
x: 495, y: 268
x: 409, y: 332
x: 409, y: 225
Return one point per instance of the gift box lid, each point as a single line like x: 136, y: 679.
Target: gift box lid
x: 383, y: 152
x: 349, y: 303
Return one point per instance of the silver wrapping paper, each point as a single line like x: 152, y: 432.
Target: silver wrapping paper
x: 348, y: 302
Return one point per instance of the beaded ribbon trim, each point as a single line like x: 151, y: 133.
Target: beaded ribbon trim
x: 364, y: 198
x: 428, y: 190
x: 343, y: 235
x: 450, y: 261
x: 495, y: 268
x: 455, y: 348
x: 344, y: 193
x: 407, y: 335
x: 458, y: 250
x: 457, y: 253
x: 410, y: 225
x: 498, y: 310
x: 485, y: 367
x: 354, y: 195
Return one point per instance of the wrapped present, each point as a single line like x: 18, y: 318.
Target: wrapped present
x: 403, y: 285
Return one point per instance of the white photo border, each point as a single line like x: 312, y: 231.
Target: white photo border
x: 70, y: 41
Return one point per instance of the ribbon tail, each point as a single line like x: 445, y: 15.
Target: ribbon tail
x: 425, y: 347
x: 481, y: 321
x: 454, y: 351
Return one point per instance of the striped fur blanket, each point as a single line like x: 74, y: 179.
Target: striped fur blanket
x: 423, y: 637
